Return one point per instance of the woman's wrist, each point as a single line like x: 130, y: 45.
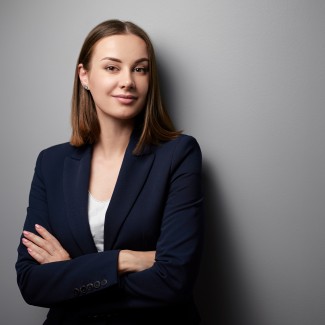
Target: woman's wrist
x: 124, y: 262
x: 135, y: 261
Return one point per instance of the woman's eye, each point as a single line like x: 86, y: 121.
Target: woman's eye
x: 111, y: 68
x: 141, y: 70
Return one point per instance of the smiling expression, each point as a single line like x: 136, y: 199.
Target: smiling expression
x: 118, y: 77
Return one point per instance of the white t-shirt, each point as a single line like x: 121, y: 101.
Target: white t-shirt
x: 96, y: 215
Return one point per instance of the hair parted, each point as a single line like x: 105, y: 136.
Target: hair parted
x: 154, y: 121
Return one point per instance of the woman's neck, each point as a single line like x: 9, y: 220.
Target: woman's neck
x: 114, y: 139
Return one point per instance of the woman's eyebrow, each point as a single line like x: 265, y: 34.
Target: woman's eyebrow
x: 118, y: 60
x: 111, y: 59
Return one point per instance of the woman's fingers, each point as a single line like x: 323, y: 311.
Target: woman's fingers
x: 47, y: 236
x: 39, y: 241
x: 54, y: 246
x: 39, y: 254
x: 44, y: 248
x: 50, y: 242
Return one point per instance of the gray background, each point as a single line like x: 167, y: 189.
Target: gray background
x: 246, y: 78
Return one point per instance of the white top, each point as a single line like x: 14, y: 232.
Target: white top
x: 96, y: 215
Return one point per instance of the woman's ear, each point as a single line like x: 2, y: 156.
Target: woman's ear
x: 83, y: 75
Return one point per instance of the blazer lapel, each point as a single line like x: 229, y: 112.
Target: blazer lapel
x: 75, y: 185
x: 133, y: 174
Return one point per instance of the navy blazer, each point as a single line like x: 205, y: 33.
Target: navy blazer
x: 157, y: 204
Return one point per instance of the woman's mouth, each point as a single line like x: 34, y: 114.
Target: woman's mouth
x: 125, y: 99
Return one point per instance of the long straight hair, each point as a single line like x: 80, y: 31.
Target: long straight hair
x: 153, y: 121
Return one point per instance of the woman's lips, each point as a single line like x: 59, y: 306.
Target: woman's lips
x: 125, y: 99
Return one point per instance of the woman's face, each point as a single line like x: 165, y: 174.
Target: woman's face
x: 118, y: 76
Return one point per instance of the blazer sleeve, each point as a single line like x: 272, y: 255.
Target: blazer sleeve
x: 86, y: 273
x: 179, y: 248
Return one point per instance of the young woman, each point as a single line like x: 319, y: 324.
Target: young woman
x: 114, y: 227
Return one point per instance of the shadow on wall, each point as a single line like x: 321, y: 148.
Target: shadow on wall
x: 219, y: 292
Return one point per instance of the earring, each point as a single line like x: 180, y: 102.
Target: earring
x: 86, y: 87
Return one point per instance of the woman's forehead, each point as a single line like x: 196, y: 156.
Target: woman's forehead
x: 122, y: 47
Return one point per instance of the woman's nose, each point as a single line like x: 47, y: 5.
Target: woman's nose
x: 128, y: 84
x: 127, y: 81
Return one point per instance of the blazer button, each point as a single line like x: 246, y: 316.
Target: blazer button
x: 103, y: 282
x: 76, y: 291
x: 90, y: 286
x: 96, y: 284
x: 83, y: 289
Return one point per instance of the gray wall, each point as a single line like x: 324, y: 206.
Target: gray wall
x: 246, y: 78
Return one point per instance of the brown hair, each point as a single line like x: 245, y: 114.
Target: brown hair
x: 154, y: 122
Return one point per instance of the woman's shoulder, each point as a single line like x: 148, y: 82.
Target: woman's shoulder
x: 60, y: 151
x: 183, y: 140
x: 181, y: 146
x: 181, y: 152
x: 65, y: 147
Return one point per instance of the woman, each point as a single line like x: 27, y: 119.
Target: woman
x: 114, y: 227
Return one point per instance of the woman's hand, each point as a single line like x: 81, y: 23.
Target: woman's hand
x: 135, y: 261
x: 44, y: 248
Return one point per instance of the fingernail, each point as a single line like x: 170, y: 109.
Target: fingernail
x: 25, y: 232
x: 24, y: 240
x: 38, y: 226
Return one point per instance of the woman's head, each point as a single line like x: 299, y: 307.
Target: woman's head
x: 153, y: 120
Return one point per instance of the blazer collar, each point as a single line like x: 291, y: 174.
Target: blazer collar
x: 75, y: 186
x: 132, y: 176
